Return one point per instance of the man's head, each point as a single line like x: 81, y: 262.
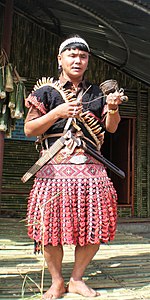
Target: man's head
x: 73, y: 57
x: 74, y: 42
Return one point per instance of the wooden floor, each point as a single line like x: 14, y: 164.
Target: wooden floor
x: 120, y: 270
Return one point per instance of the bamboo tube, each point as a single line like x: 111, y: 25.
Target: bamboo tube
x: 12, y: 101
x: 19, y: 111
x: 2, y: 79
x: 9, y: 78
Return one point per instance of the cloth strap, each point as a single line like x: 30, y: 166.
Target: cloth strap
x: 44, y: 159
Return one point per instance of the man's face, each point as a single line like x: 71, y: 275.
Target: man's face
x: 74, y: 62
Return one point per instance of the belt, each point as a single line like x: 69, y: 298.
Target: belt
x: 53, y: 135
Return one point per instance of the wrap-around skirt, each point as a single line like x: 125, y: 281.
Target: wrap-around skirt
x: 72, y: 201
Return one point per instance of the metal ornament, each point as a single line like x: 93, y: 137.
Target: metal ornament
x: 78, y: 159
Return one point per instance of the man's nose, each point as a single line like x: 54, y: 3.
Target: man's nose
x: 77, y: 59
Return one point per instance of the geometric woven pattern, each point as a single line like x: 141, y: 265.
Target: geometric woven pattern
x: 60, y: 166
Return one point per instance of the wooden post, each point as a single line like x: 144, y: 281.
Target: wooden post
x: 6, y: 45
x: 148, y: 156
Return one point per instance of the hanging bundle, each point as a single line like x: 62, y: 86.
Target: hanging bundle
x: 4, y: 118
x: 1, y: 106
x: 10, y: 126
x: 3, y: 102
x: 2, y: 83
x: 17, y: 97
x: 3, y: 62
x: 20, y: 94
x: 9, y: 78
x: 12, y: 100
x: 12, y: 95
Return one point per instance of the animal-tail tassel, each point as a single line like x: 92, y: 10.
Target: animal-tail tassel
x: 9, y: 78
x: 2, y: 83
x: 10, y: 127
x: 4, y: 118
x: 19, y: 110
x: 1, y: 106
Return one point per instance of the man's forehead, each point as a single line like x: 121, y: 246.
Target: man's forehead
x: 76, y: 51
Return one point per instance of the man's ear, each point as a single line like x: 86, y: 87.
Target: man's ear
x: 59, y: 59
x: 59, y: 64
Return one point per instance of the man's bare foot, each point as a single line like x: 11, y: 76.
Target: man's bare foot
x: 79, y: 287
x: 56, y: 291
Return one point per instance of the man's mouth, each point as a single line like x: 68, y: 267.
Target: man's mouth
x: 76, y: 68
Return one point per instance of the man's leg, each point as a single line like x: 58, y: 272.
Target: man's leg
x: 83, y: 256
x: 53, y: 256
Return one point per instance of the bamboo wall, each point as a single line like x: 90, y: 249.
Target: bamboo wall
x: 34, y: 51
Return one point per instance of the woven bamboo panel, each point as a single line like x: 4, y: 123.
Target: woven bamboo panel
x: 16, y: 162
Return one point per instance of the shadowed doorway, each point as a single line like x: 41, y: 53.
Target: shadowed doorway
x: 119, y: 149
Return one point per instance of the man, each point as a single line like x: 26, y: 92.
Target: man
x: 72, y: 196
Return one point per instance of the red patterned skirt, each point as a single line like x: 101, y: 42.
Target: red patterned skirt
x: 72, y: 203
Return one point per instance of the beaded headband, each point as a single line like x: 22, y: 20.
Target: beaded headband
x: 71, y: 41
